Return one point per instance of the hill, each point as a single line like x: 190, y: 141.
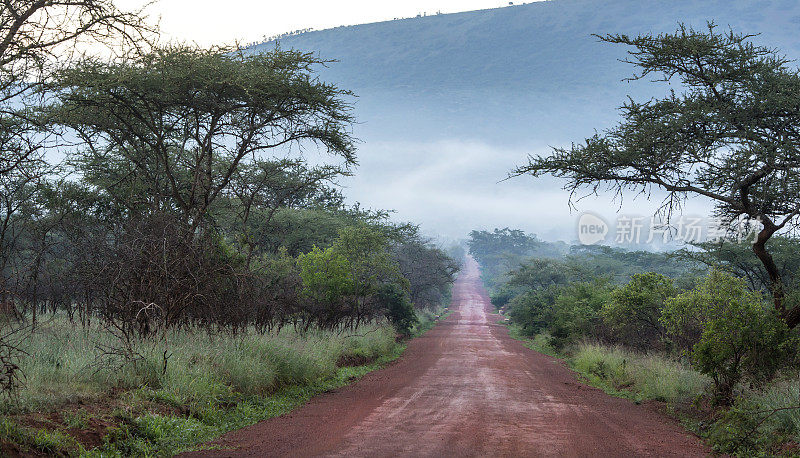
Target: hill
x: 512, y: 62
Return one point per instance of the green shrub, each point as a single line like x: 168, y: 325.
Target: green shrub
x: 325, y: 274
x: 739, y: 338
x: 634, y: 310
x: 761, y: 421
x: 736, y: 431
x: 502, y: 296
x: 398, y: 308
x: 567, y: 313
x: 532, y: 310
x: 576, y: 311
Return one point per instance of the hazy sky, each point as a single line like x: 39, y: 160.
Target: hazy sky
x: 208, y: 22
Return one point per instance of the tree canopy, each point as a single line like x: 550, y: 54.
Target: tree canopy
x: 182, y: 121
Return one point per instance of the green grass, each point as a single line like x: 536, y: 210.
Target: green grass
x: 539, y: 342
x: 783, y: 394
x: 41, y: 440
x: 624, y: 373
x: 160, y: 435
x: 637, y: 376
x: 76, y: 419
x: 212, y: 382
x: 64, y: 363
x: 427, y: 320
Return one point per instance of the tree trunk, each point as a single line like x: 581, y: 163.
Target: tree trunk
x: 791, y: 317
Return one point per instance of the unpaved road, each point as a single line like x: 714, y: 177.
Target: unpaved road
x: 466, y: 388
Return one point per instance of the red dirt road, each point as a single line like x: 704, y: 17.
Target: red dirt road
x: 466, y: 388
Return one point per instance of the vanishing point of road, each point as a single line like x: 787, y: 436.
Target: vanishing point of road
x: 466, y: 388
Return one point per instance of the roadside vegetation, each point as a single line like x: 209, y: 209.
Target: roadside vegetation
x: 176, y: 257
x: 658, y: 327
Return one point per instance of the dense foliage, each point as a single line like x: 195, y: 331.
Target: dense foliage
x: 634, y: 310
x: 729, y: 333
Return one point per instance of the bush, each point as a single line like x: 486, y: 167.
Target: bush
x: 342, y: 282
x: 160, y: 274
x: 502, y: 296
x: 325, y: 274
x: 781, y: 400
x: 635, y: 309
x: 576, y: 311
x: 735, y: 432
x: 399, y: 310
x: 733, y: 336
x: 532, y: 310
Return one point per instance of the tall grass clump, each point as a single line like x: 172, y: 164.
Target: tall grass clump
x: 761, y: 421
x: 646, y: 376
x: 780, y: 403
x: 193, y: 367
x: 174, y: 389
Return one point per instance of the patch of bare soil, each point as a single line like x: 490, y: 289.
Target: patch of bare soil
x: 353, y: 361
x: 87, y: 421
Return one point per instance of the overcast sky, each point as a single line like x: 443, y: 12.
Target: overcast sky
x: 209, y: 22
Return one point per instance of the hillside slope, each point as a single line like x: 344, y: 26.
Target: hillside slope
x: 505, y: 63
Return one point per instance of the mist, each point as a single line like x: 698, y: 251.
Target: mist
x: 452, y: 186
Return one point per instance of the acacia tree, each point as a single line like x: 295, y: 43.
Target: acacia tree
x: 732, y: 135
x: 264, y: 187
x: 35, y: 37
x: 32, y: 31
x: 182, y: 121
x: 168, y: 137
x: 737, y: 257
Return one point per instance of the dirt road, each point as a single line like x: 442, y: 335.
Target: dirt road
x: 466, y: 388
